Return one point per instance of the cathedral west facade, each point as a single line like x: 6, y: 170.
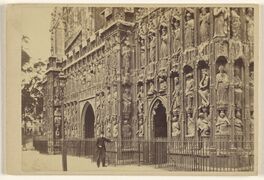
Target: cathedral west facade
x: 178, y: 73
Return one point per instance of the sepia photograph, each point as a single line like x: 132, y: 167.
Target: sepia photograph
x: 136, y: 89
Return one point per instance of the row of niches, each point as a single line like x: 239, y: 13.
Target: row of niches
x: 160, y: 36
x: 198, y: 90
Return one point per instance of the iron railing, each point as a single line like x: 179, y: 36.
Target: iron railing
x: 172, y: 155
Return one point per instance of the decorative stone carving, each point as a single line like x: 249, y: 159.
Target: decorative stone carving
x: 222, y: 124
x: 140, y: 131
x: 235, y: 23
x: 164, y: 42
x: 204, y: 88
x: 57, y: 112
x: 204, y: 25
x: 238, y: 124
x: 142, y: 43
x: 222, y: 84
x: 189, y: 90
x: 114, y: 96
x: 238, y: 88
x: 203, y: 125
x: 176, y: 94
x: 189, y: 29
x: 220, y: 21
x: 127, y: 101
x: 108, y: 101
x: 126, y: 130
x: 108, y: 129
x: 162, y: 80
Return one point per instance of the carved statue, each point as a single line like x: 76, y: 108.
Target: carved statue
x: 140, y: 99
x: 115, y: 129
x: 175, y: 126
x: 152, y: 45
x: 222, y: 84
x: 57, y: 112
x: 142, y: 51
x: 190, y: 125
x: 152, y: 89
x: 203, y: 125
x: 98, y: 129
x: 204, y: 25
x: 127, y: 101
x: 236, y: 23
x: 250, y: 24
x: 251, y: 124
x: 189, y: 30
x: 140, y: 131
x: 238, y: 85
x: 204, y: 88
x: 176, y: 93
x: 126, y: 130
x: 108, y: 129
x: 222, y: 124
x: 251, y: 88
x: 189, y: 90
x: 221, y: 15
x: 114, y: 106
x: 162, y: 80
x: 176, y: 36
x: 108, y: 101
x: 164, y: 43
x: 238, y: 124
x: 126, y: 54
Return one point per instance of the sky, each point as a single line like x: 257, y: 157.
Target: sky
x: 35, y: 23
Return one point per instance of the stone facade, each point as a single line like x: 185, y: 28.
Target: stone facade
x: 175, y: 73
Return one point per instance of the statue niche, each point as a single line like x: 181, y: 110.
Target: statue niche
x: 222, y: 124
x: 238, y: 87
x: 176, y: 35
x: 222, y: 85
x: 238, y: 123
x: 203, y: 125
x: 127, y: 102
x: 190, y: 123
x: 164, y: 42
x: 152, y: 46
x: 220, y: 21
x: 126, y: 53
x: 175, y: 125
x: 189, y: 29
x: 140, y: 100
x: 204, y: 87
x: 176, y: 94
x: 204, y: 25
x: 235, y: 23
x: 250, y: 24
x: 189, y: 91
x: 251, y: 84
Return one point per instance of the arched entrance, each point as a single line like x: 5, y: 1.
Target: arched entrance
x: 159, y: 145
x: 88, y: 117
x: 159, y: 121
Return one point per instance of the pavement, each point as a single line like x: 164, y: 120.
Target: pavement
x: 34, y: 162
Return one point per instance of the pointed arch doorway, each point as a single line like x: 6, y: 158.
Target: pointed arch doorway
x: 88, y: 119
x: 159, y: 133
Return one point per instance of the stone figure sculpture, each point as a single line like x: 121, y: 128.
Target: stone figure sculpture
x: 189, y: 30
x: 204, y: 25
x: 222, y: 124
x: 238, y: 124
x: 236, y: 23
x: 126, y: 130
x: 203, y: 125
x: 176, y: 93
x: 175, y: 126
x: 220, y: 21
x: 115, y: 127
x: 142, y: 51
x: 222, y: 84
x: 164, y: 43
x: 204, y: 88
x: 127, y: 101
x: 238, y: 85
x: 140, y: 100
x: 141, y: 128
x: 251, y: 88
x: 189, y: 90
x: 152, y: 89
x: 152, y: 47
x: 176, y: 36
x: 190, y: 125
x: 250, y: 24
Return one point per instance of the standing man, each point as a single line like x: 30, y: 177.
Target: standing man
x: 100, y: 144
